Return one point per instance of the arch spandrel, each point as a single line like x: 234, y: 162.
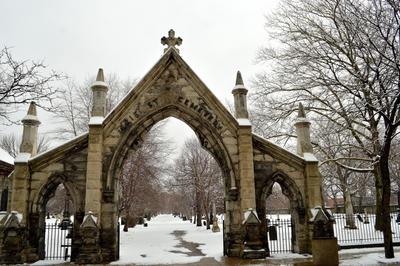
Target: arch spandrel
x: 209, y: 138
x: 171, y: 88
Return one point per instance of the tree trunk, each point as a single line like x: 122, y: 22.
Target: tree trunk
x: 198, y: 208
x: 384, y: 170
x: 379, y: 221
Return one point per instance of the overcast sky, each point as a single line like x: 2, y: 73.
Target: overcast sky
x: 123, y: 37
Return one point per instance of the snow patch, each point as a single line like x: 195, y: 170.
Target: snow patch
x: 239, y: 87
x: 99, y: 84
x: 30, y: 117
x: 96, y: 121
x: 243, y: 122
x: 22, y: 157
x: 302, y: 120
x: 309, y: 157
x: 6, y: 157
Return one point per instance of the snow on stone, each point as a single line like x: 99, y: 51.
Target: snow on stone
x: 243, y: 122
x: 6, y: 157
x: 22, y: 157
x: 96, y: 120
x: 30, y: 117
x: 309, y: 157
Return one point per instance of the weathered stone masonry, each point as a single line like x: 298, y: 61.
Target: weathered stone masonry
x: 89, y: 167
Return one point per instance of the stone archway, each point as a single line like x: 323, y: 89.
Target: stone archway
x: 89, y: 165
x: 297, y: 209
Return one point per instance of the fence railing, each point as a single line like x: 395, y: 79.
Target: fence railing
x: 363, y: 234
x: 58, y: 242
x: 280, y: 235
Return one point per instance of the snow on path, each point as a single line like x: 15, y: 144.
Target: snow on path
x: 153, y: 244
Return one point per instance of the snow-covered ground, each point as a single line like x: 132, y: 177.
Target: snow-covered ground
x: 157, y: 243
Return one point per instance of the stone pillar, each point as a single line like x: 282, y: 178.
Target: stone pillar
x: 90, y: 249
x: 350, y: 223
x: 245, y: 142
x: 324, y: 243
x: 93, y: 196
x: 313, y: 183
x: 246, y: 173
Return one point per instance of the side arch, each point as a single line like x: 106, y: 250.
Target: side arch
x: 297, y: 207
x: 37, y: 212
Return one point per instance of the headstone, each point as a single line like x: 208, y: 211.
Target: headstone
x: 350, y: 223
x: 215, y: 227
x: 359, y: 218
x: 366, y: 218
x: 272, y: 232
x: 140, y: 220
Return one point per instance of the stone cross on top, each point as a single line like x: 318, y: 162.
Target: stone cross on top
x: 171, y: 41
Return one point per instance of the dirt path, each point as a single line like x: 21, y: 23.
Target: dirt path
x: 191, y: 246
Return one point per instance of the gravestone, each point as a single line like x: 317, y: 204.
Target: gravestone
x: 350, y: 223
x: 272, y: 232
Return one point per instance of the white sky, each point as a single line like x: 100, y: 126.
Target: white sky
x: 123, y: 37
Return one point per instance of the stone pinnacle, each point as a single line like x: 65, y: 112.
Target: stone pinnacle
x: 239, y: 80
x: 301, y: 111
x: 32, y: 109
x: 100, y: 75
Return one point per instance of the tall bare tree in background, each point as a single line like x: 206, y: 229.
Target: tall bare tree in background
x: 74, y: 103
x: 11, y: 142
x: 340, y: 58
x: 22, y: 82
x: 197, y: 170
x: 142, y: 173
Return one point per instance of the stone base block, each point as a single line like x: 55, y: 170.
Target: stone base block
x: 325, y: 251
x: 254, y: 254
x: 29, y: 255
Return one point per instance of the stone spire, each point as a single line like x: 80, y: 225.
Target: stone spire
x: 99, y: 88
x: 303, y: 132
x: 301, y: 112
x: 239, y: 95
x: 29, y: 136
x: 171, y: 41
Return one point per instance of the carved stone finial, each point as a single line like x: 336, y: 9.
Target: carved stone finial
x: 100, y: 75
x: 32, y: 109
x: 239, y: 80
x: 171, y: 41
x: 301, y: 113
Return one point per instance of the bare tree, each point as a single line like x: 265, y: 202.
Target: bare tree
x: 196, y: 169
x: 140, y: 181
x: 341, y: 58
x: 11, y: 143
x: 22, y: 82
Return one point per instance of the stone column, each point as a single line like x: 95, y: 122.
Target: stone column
x: 246, y: 173
x: 90, y: 253
x: 313, y: 177
x: 20, y: 186
x: 245, y: 142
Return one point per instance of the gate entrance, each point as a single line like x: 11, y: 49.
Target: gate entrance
x: 58, y: 242
x: 90, y: 165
